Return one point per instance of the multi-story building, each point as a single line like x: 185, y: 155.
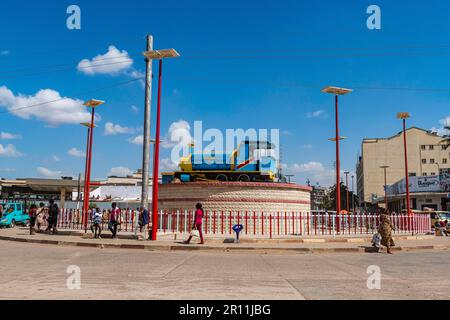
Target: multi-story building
x: 426, y: 155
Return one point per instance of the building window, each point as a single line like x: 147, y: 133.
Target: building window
x: 431, y: 147
x: 424, y: 161
x: 424, y: 174
x: 433, y: 174
x: 412, y: 174
x: 422, y: 147
x: 432, y: 161
x: 444, y: 147
x: 444, y: 161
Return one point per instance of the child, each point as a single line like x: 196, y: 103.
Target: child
x: 96, y: 225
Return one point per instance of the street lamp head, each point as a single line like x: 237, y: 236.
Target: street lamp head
x: 334, y: 139
x: 403, y: 115
x: 336, y: 90
x: 384, y: 167
x: 161, y: 54
x: 88, y: 125
x: 93, y: 103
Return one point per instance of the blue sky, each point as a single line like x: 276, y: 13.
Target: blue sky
x: 244, y: 64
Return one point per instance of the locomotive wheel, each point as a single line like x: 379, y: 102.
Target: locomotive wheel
x: 222, y: 177
x: 244, y: 178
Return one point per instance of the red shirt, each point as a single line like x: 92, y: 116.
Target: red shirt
x: 114, y: 214
x: 32, y: 213
x: 198, y: 216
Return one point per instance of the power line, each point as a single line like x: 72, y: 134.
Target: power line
x: 298, y: 56
x: 292, y: 53
x: 230, y: 82
x: 65, y: 69
x: 66, y: 64
x: 13, y: 110
x: 303, y: 85
x: 128, y: 60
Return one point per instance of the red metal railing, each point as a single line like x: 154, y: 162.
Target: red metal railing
x: 260, y: 224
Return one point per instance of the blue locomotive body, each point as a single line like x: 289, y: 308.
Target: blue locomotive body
x: 251, y: 161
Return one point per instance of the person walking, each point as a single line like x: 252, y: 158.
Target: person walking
x: 198, y: 222
x: 52, y: 217
x: 96, y: 227
x: 114, y: 220
x: 143, y: 222
x: 385, y: 231
x: 32, y: 213
x: 443, y: 228
x: 40, y: 217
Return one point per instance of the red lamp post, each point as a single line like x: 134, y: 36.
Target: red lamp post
x: 403, y: 116
x: 87, y: 173
x: 160, y: 55
x: 337, y: 92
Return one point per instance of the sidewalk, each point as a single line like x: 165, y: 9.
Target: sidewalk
x: 166, y: 242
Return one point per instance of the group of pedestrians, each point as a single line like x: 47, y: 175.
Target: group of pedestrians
x: 44, y: 215
x: 113, y: 219
x: 48, y: 216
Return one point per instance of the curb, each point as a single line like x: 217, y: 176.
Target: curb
x: 230, y: 249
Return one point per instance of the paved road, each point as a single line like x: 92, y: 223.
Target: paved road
x: 30, y: 271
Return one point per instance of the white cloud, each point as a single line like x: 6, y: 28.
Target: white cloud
x: 74, y: 152
x: 112, y: 62
x: 138, y: 140
x: 315, y: 172
x: 113, y: 129
x: 47, y: 173
x: 120, y: 172
x: 9, y: 151
x: 442, y: 131
x: 167, y: 165
x: 311, y: 166
x: 179, y: 131
x: 137, y: 74
x: 315, y: 114
x: 59, y: 111
x: 56, y: 158
x: 9, y: 136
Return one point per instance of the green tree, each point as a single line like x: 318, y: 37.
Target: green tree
x: 330, y: 201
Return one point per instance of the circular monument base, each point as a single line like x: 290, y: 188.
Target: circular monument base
x: 235, y: 196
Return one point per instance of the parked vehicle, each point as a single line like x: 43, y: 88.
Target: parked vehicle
x: 13, y: 214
